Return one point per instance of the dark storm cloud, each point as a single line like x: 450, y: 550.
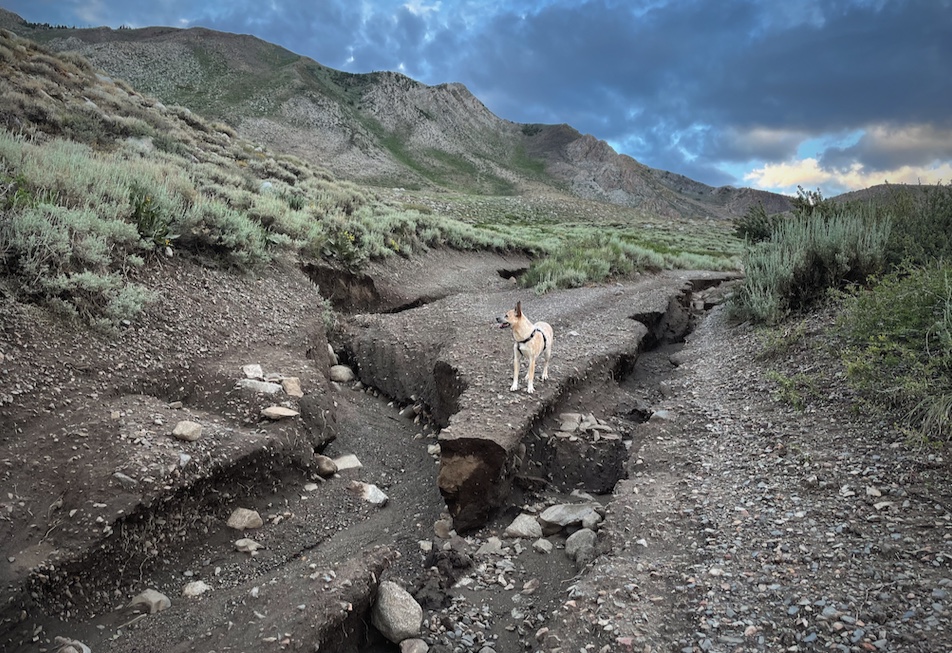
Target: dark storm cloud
x: 736, y: 67
x: 888, y: 148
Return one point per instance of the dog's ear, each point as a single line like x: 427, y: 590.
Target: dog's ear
x: 518, y: 309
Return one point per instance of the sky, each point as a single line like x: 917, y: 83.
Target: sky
x: 834, y: 95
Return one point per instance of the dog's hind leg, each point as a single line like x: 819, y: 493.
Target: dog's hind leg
x: 515, y: 368
x: 545, y: 363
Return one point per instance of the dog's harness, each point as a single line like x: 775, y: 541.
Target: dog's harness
x: 545, y: 341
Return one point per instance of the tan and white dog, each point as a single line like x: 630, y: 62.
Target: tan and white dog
x: 530, y: 340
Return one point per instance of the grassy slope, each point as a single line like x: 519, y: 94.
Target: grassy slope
x: 181, y: 181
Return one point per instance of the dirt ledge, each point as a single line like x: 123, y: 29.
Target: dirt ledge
x: 449, y: 355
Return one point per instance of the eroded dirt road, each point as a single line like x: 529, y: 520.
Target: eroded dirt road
x: 738, y: 523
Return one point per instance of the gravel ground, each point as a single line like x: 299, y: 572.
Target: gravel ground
x: 749, y: 525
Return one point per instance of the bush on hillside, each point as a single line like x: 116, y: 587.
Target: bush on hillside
x: 756, y: 225
x: 922, y: 232
x: 806, y: 256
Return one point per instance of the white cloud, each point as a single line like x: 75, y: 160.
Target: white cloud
x: 785, y: 177
x: 418, y: 8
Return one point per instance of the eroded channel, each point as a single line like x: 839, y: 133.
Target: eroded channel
x: 432, y: 395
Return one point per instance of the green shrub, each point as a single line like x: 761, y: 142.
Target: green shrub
x: 922, y: 226
x: 899, y: 337
x: 153, y: 223
x: 591, y: 259
x: 755, y: 225
x: 805, y: 257
x: 210, y: 226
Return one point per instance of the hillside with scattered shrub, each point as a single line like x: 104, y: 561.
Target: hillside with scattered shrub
x: 884, y: 266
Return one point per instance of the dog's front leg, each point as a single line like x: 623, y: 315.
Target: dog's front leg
x: 530, y: 375
x: 515, y: 368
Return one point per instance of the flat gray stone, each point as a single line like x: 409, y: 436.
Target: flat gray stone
x: 260, y: 386
x: 524, y: 526
x: 347, y: 461
x: 276, y: 413
x: 563, y: 515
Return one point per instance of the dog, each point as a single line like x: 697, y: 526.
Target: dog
x: 529, y: 340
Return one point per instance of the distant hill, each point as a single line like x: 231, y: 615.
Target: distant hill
x: 381, y: 128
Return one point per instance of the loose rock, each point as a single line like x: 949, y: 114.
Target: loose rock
x: 348, y: 461
x: 368, y: 492
x: 253, y: 371
x: 187, y: 430
x: 524, y: 526
x: 195, y: 589
x: 395, y: 613
x: 243, y: 518
x: 150, y: 601
x: 264, y: 387
x: 326, y: 467
x: 278, y: 412
x: 413, y: 646
x: 542, y: 546
x: 342, y: 374
x: 247, y: 545
x: 564, y: 515
x: 292, y: 386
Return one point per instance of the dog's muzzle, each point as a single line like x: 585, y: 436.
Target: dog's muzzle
x: 503, y: 324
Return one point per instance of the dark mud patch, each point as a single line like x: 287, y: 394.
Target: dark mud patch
x: 512, y: 274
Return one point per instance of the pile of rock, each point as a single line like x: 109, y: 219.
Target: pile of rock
x: 579, y: 521
x: 272, y: 383
x: 575, y: 426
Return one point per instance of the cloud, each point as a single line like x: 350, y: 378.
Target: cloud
x: 884, y: 147
x: 810, y: 174
x: 757, y: 143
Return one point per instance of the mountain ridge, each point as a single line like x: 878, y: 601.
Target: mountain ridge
x: 382, y: 128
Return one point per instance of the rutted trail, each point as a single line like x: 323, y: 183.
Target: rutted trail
x: 448, y: 355
x: 161, y: 504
